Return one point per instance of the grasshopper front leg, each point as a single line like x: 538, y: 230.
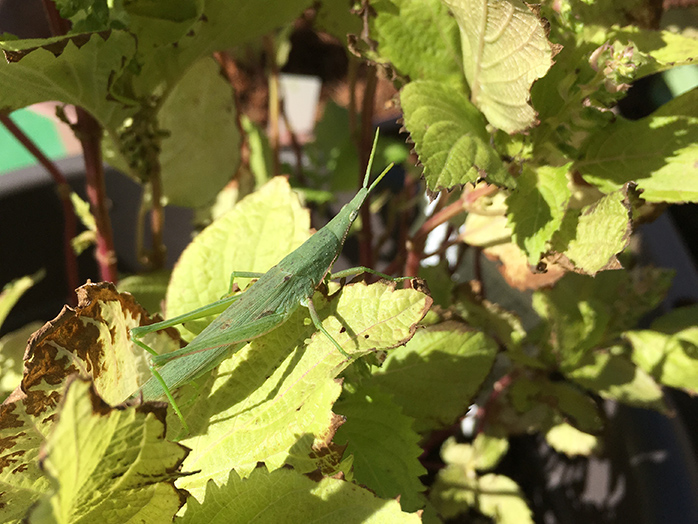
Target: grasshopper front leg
x: 308, y: 302
x: 213, y: 308
x: 354, y: 271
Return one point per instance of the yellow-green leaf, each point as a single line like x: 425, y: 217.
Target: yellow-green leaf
x: 421, y: 375
x: 109, y: 466
x: 255, y: 235
x: 567, y: 439
x: 272, y: 401
x: 504, y: 51
x: 383, y: 444
x: 287, y: 497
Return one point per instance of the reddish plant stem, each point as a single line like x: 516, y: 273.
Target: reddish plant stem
x: 365, y: 143
x: 158, y: 255
x: 58, y: 25
x: 351, y: 78
x: 415, y: 246
x: 63, y: 191
x: 435, y: 440
x: 497, y: 389
x: 89, y: 132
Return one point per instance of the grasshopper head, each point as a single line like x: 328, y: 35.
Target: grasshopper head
x: 341, y: 223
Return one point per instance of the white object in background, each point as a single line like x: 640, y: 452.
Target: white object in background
x: 300, y: 95
x: 468, y: 424
x: 436, y: 238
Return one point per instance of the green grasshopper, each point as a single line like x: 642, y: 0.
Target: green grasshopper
x: 264, y: 306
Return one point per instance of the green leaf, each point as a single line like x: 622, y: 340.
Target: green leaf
x: 678, y: 322
x: 107, y: 465
x: 222, y: 25
x: 85, y: 15
x: 441, y: 284
x: 75, y: 70
x: 23, y: 481
x: 261, y: 163
x: 584, y: 312
x: 384, y: 445
x: 542, y: 403
x: 629, y: 295
x: 487, y: 451
x: 575, y: 97
x: 657, y: 152
x: 161, y: 23
x: 91, y: 340
x: 286, y: 496
x: 665, y: 49
x: 458, y: 489
x: 87, y: 238
x: 200, y: 116
x: 495, y: 496
x: 12, y: 346
x: 419, y: 39
x: 337, y: 19
x: 567, y: 439
x: 450, y: 137
x: 667, y: 359
x: 272, y: 401
x: 616, y: 377
x: 148, y: 289
x: 491, y: 318
x: 576, y: 324
x: 421, y: 374
x: 537, y: 207
x: 669, y: 351
x: 591, y: 239
x: 13, y: 291
x: 504, y: 51
x: 254, y: 236
x: 334, y: 148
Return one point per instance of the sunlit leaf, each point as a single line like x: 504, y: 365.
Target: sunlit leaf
x: 376, y: 433
x: 504, y: 51
x: 287, y: 496
x: 450, y: 137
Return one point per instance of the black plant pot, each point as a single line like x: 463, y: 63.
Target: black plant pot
x: 31, y: 234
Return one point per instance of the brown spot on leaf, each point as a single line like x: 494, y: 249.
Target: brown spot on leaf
x: 38, y: 401
x: 8, y: 417
x: 10, y: 459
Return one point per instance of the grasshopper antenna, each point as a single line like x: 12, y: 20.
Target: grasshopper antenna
x: 370, y: 159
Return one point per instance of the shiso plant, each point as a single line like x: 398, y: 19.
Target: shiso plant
x: 527, y: 305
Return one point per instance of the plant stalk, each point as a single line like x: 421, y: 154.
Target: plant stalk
x: 89, y: 132
x: 366, y: 257
x: 63, y: 190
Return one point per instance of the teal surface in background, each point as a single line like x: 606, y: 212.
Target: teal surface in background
x: 40, y: 129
